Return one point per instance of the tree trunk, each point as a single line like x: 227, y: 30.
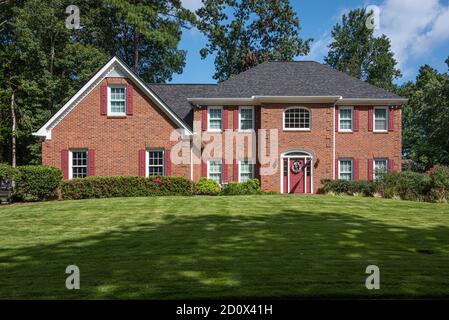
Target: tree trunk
x: 136, y: 50
x: 13, y: 131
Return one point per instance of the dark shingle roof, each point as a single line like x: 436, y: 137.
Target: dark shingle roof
x: 298, y: 78
x: 175, y: 96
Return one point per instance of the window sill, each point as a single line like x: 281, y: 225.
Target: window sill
x: 380, y: 131
x: 246, y: 131
x: 297, y: 130
x: 116, y: 116
x: 345, y: 131
x: 214, y: 131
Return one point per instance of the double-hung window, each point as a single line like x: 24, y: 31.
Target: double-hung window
x: 215, y: 116
x: 246, y: 170
x: 380, y: 166
x: 345, y: 119
x: 214, y: 170
x: 246, y: 118
x: 380, y: 119
x: 155, y: 162
x: 78, y: 164
x: 345, y: 170
x: 117, y: 101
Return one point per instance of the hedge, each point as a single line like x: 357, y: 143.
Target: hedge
x: 7, y: 172
x: 207, y: 187
x: 107, y: 187
x: 406, y: 185
x: 251, y: 186
x: 37, y: 183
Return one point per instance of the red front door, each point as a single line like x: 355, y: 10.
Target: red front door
x: 296, y: 172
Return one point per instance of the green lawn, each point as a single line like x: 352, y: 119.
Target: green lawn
x: 224, y: 247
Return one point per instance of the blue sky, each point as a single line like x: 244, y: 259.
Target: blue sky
x: 418, y: 30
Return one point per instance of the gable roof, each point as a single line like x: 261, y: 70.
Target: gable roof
x: 112, y: 67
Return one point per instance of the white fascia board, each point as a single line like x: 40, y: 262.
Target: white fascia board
x: 255, y: 100
x: 46, y: 129
x: 368, y: 102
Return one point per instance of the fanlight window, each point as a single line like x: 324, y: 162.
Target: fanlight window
x: 297, y: 118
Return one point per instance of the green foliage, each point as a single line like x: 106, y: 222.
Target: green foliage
x: 439, y: 178
x: 7, y: 172
x: 426, y: 117
x: 37, y: 183
x: 251, y: 186
x: 406, y: 185
x: 349, y: 187
x: 244, y: 33
x: 109, y: 187
x: 207, y: 187
x: 357, y: 52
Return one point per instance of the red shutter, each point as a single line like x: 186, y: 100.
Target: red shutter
x: 168, y: 162
x: 204, y: 119
x: 370, y: 169
x: 336, y: 118
x: 390, y: 165
x: 91, y: 162
x: 203, y: 168
x: 103, y: 99
x: 65, y: 163
x: 336, y: 169
x: 356, y: 119
x: 225, y: 118
x: 129, y: 100
x: 257, y: 118
x: 225, y: 172
x: 236, y: 118
x: 391, y: 119
x: 370, y: 119
x: 142, y: 163
x: 356, y: 169
x: 235, y: 171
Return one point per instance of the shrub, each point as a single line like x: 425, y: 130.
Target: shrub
x: 37, y: 183
x: 365, y: 187
x: 207, y: 187
x: 338, y: 186
x: 108, y: 187
x: 406, y: 185
x: 439, y: 184
x: 7, y: 172
x: 251, y: 186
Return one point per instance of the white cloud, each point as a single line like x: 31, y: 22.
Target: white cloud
x: 319, y: 48
x: 415, y: 27
x: 192, y: 4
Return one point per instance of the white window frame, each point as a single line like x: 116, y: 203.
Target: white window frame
x: 386, y: 119
x: 147, y: 161
x: 339, y: 168
x: 116, y: 114
x: 251, y: 163
x: 240, y: 118
x: 221, y: 172
x: 297, y: 129
x: 374, y: 166
x: 352, y: 119
x: 208, y: 119
x: 71, y: 161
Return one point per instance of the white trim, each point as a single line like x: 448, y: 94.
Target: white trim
x: 147, y: 160
x: 371, y: 102
x: 208, y: 119
x: 297, y: 129
x: 386, y: 118
x: 352, y: 167
x: 109, y: 112
x: 221, y: 171
x: 71, y: 161
x: 240, y: 119
x: 352, y: 118
x: 46, y: 129
x: 306, y: 156
x: 334, y: 154
x: 240, y: 168
x: 257, y: 100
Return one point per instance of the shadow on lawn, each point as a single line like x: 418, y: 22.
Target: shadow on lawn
x: 289, y: 254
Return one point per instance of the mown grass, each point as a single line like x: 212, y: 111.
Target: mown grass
x: 224, y: 247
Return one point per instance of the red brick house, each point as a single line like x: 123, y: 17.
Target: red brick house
x: 289, y: 124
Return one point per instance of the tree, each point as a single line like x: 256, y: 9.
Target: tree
x: 356, y: 51
x: 144, y: 33
x: 244, y: 33
x: 426, y: 118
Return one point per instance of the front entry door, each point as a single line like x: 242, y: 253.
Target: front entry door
x: 296, y: 172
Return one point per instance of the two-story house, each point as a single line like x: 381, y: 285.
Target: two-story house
x: 289, y: 124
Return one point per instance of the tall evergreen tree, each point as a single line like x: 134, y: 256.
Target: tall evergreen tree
x: 244, y: 33
x: 356, y: 51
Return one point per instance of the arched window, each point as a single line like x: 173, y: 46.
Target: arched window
x: 297, y: 118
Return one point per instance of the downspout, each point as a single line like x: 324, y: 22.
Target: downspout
x: 334, y: 155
